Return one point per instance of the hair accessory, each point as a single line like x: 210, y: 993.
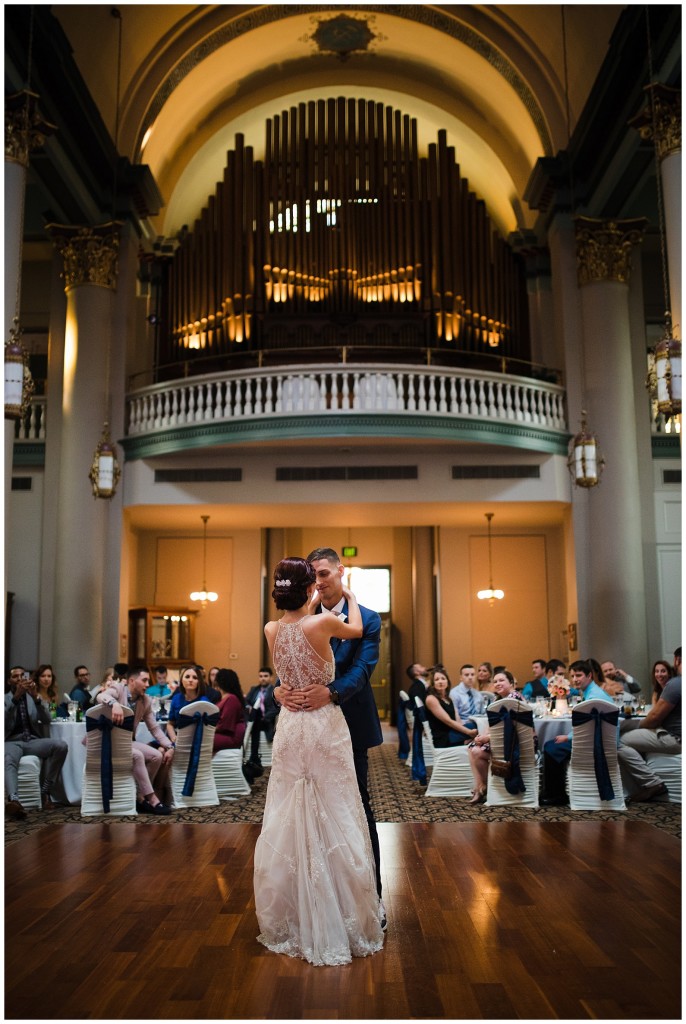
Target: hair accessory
x: 283, y: 583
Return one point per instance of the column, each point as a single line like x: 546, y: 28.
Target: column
x: 89, y: 258
x: 660, y: 121
x: 616, y: 615
x: 25, y: 130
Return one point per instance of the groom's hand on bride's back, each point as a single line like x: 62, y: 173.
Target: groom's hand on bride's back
x: 288, y: 698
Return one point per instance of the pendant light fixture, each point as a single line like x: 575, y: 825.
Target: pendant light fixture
x: 585, y: 462
x: 105, y: 470
x: 491, y: 594
x: 204, y: 596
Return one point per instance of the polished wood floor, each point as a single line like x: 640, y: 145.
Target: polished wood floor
x: 486, y: 921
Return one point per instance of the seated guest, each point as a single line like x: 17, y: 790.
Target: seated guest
x: 121, y: 670
x: 659, y: 733
x: 484, y: 681
x: 107, y: 678
x: 537, y: 686
x: 264, y: 714
x: 624, y: 683
x: 661, y: 674
x: 231, y: 725
x: 480, y: 747
x: 150, y: 764
x: 161, y: 686
x: 419, y: 676
x: 466, y: 698
x: 27, y: 728
x: 45, y: 682
x: 81, y: 693
x: 192, y: 687
x: 447, y: 730
x: 557, y: 752
x: 17, y: 672
x: 212, y: 677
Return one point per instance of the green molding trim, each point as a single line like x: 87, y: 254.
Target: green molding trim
x: 28, y: 453
x: 282, y: 428
x: 666, y: 446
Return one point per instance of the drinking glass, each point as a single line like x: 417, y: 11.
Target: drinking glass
x: 71, y: 710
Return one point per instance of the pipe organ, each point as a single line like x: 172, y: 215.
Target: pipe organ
x: 343, y: 235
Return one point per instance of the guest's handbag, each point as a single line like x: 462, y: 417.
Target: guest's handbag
x: 503, y: 768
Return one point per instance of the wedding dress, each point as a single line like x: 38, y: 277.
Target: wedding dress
x: 315, y: 885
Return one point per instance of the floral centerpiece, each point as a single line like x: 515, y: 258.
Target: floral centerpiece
x: 558, y: 688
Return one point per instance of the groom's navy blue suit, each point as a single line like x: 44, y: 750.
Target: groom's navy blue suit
x: 355, y: 662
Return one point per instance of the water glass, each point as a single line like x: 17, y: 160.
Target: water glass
x: 71, y: 710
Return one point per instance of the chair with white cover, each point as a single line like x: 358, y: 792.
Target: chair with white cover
x: 265, y: 752
x: 28, y: 781
x: 582, y: 781
x: 227, y: 768
x: 497, y: 793
x: 668, y: 768
x: 451, y: 774
x: 192, y: 778
x: 105, y: 789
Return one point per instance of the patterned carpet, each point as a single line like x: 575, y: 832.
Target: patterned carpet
x: 395, y: 797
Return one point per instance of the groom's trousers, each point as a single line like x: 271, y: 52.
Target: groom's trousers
x: 362, y: 771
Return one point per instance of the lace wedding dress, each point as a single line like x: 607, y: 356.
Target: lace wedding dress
x: 315, y: 886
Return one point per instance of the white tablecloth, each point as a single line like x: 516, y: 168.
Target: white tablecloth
x: 73, y: 734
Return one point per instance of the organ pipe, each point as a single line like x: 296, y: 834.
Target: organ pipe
x: 342, y: 223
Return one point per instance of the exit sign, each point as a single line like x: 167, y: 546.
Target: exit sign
x: 349, y: 552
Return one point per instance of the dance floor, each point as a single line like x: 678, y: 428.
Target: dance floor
x: 487, y: 920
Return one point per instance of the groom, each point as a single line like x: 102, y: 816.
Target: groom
x: 355, y: 661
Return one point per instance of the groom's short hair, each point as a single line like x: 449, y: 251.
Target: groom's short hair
x: 328, y: 553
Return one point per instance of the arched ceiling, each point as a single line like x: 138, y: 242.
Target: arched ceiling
x: 192, y: 76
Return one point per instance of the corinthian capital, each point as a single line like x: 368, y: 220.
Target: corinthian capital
x: 660, y: 119
x: 603, y: 248
x: 89, y: 255
x: 25, y: 128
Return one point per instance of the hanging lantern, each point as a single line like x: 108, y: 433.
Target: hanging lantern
x: 18, y: 380
x: 490, y: 593
x: 585, y: 461
x: 204, y: 596
x: 105, y: 472
x: 668, y: 375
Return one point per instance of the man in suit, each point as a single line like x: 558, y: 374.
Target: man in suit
x: 557, y: 752
x: 355, y: 662
x: 147, y: 760
x: 262, y: 710
x: 27, y: 731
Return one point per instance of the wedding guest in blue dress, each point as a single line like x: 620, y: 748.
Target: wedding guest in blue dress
x: 192, y: 687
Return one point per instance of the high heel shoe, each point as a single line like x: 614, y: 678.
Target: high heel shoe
x: 479, y: 797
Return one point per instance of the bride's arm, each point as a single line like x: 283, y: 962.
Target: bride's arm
x: 353, y: 627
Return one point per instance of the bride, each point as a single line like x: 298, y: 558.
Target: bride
x: 315, y: 884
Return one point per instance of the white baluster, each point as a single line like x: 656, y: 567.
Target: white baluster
x: 433, y: 405
x: 499, y: 407
x: 483, y: 409
x: 464, y: 407
x: 442, y: 402
x: 421, y: 393
x: 345, y: 391
x: 323, y: 402
x: 248, y: 386
x: 218, y: 401
x: 41, y: 427
x: 278, y: 408
x: 452, y: 397
x: 472, y: 393
x: 518, y: 413
x: 411, y: 400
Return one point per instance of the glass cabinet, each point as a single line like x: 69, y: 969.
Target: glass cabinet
x: 161, y: 636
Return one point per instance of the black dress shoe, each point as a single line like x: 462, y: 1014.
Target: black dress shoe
x: 554, y: 801
x: 145, y: 807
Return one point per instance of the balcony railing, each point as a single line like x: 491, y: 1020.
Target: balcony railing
x: 32, y: 426
x: 346, y: 390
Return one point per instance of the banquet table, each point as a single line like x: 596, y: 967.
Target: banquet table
x: 73, y: 734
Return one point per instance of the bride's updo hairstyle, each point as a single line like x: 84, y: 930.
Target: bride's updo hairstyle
x: 292, y: 577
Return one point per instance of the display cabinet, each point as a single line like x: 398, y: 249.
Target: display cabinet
x: 161, y: 636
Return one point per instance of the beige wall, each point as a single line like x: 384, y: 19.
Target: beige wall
x: 529, y: 566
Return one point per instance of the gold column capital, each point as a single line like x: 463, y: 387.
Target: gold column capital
x: 25, y: 127
x: 89, y: 255
x: 660, y: 119
x: 603, y: 248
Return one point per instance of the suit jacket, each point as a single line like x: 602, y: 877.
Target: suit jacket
x: 417, y: 689
x: 271, y: 708
x: 117, y: 693
x: 355, y: 661
x: 39, y: 718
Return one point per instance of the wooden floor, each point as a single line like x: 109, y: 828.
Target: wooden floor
x: 486, y: 921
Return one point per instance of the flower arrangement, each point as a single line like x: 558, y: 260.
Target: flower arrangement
x: 558, y: 687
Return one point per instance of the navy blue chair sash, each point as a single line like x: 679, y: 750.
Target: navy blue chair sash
x: 602, y: 772
x: 199, y: 719
x: 508, y: 716
x: 403, y: 735
x: 418, y: 764
x: 105, y: 726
